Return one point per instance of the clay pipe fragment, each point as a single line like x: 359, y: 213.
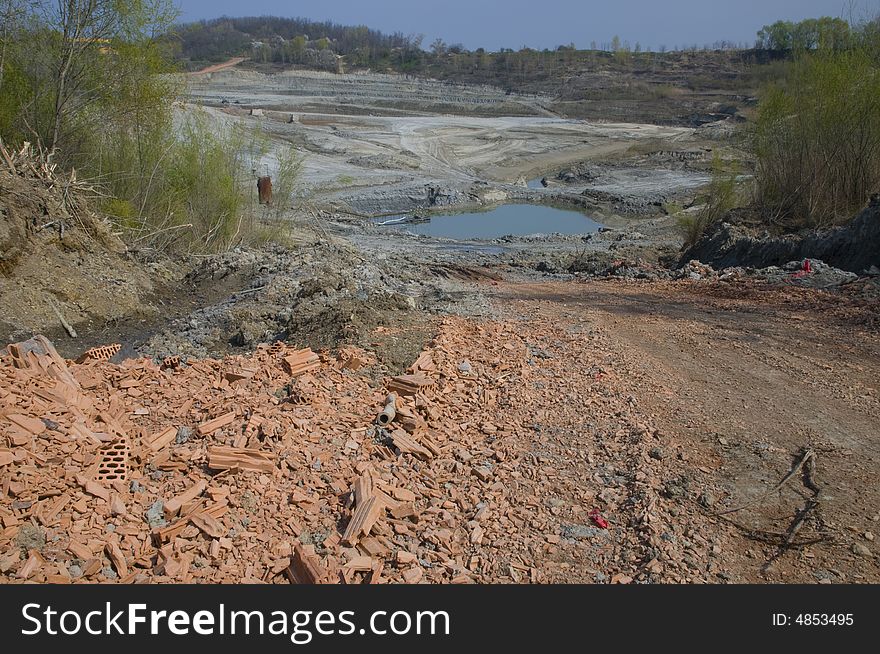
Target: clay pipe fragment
x: 390, y: 410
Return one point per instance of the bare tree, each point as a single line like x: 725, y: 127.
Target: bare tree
x: 81, y: 30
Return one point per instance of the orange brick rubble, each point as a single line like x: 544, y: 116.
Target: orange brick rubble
x: 137, y: 472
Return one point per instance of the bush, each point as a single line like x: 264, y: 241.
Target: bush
x: 169, y: 178
x: 197, y: 192
x: 720, y: 198
x: 817, y: 138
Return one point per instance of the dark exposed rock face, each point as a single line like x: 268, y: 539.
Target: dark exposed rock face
x: 651, y: 203
x: 580, y: 172
x: 855, y: 247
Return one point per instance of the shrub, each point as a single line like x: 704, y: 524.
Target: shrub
x: 817, y: 138
x: 106, y: 106
x: 192, y: 187
x: 720, y: 198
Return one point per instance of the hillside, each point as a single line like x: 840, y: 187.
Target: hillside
x: 682, y: 87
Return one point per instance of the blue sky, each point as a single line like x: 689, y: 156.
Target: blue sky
x: 494, y: 24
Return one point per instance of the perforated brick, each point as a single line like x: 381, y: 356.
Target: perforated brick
x: 169, y: 363
x: 114, y: 462
x: 102, y: 353
x: 277, y: 348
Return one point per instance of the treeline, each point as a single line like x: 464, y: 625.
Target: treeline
x: 315, y: 43
x: 88, y: 81
x: 289, y: 40
x: 824, y: 33
x: 273, y: 39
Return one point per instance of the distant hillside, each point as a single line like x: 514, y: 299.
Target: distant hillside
x: 271, y: 39
x: 684, y: 87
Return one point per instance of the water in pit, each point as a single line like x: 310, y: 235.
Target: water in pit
x: 506, y: 220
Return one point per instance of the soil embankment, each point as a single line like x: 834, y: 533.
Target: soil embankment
x: 59, y: 261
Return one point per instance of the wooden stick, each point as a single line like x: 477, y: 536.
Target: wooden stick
x: 806, y: 456
x: 7, y: 157
x: 67, y: 326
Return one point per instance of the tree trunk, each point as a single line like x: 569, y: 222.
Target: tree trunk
x: 7, y: 18
x: 60, y: 87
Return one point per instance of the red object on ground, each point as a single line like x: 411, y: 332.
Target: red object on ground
x: 806, y: 269
x: 598, y: 519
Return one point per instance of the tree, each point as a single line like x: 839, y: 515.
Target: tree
x: 79, y: 33
x: 11, y: 13
x: 615, y: 43
x: 15, y: 89
x: 81, y: 24
x: 817, y: 137
x: 810, y: 34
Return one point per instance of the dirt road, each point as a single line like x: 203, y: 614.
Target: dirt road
x: 736, y: 382
x: 218, y: 67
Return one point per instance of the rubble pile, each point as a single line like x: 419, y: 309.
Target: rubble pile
x: 262, y: 468
x: 807, y: 273
x: 742, y: 239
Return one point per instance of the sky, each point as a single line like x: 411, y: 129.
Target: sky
x: 495, y: 24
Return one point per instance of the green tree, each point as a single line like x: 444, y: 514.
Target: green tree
x: 70, y: 46
x: 11, y: 14
x: 808, y: 34
x: 817, y: 138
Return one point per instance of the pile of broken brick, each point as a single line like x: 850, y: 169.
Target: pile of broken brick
x: 282, y: 466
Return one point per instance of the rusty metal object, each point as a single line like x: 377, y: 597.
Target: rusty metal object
x: 264, y: 189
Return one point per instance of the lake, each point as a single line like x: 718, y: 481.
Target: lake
x: 505, y: 220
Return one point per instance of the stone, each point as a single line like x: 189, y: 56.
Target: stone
x: 861, y: 550
x: 155, y: 515
x: 31, y: 537
x: 707, y: 499
x: 183, y: 435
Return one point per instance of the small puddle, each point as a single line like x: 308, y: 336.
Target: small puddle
x: 506, y: 220
x: 535, y: 183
